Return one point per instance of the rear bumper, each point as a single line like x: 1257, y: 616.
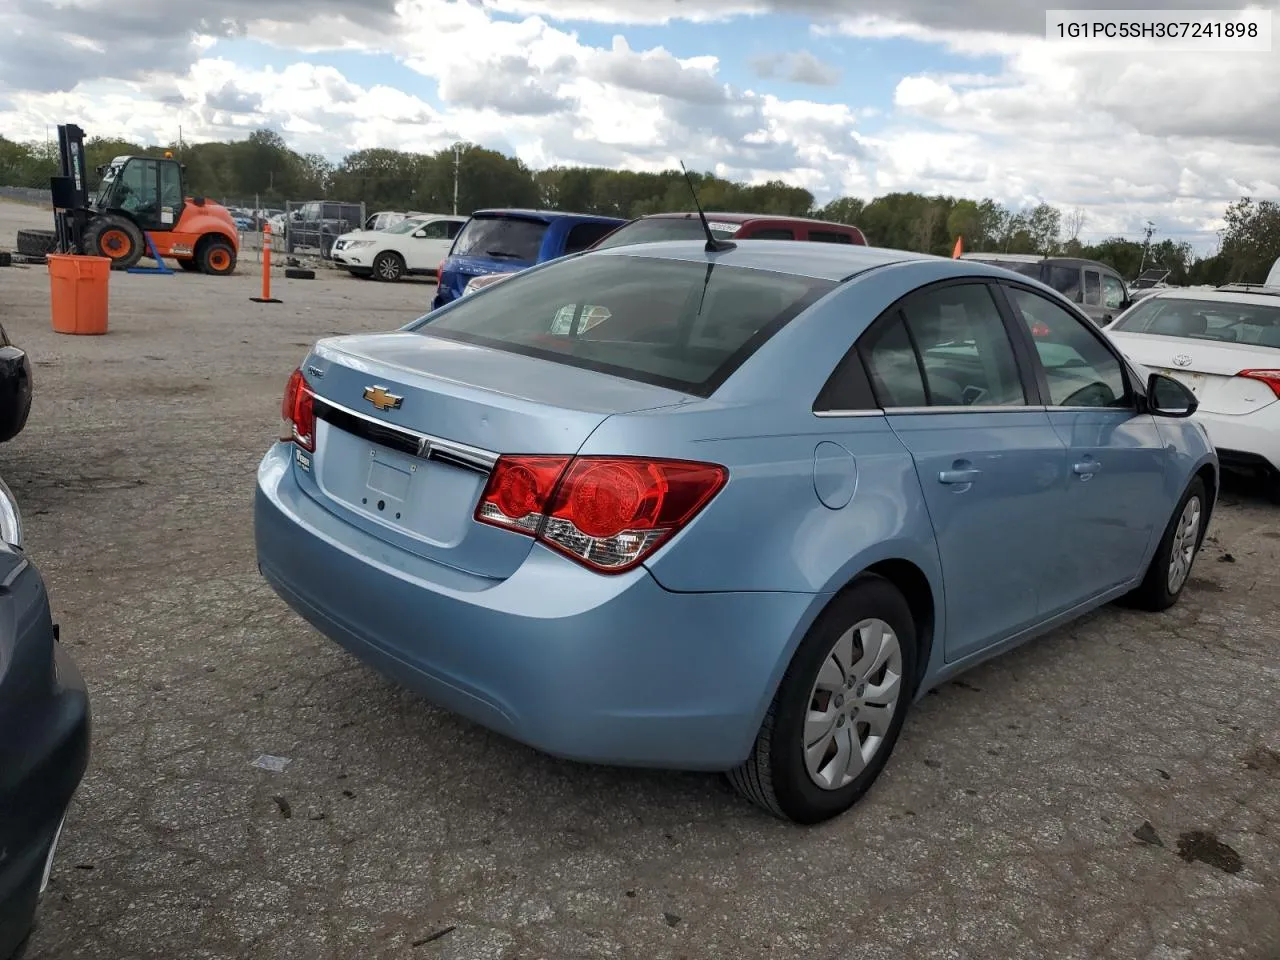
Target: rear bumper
x: 1249, y: 441
x: 612, y: 670
x: 47, y: 751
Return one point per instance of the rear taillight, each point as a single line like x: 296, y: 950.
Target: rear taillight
x: 1039, y: 329
x: 298, y: 413
x: 608, y: 513
x: 1270, y: 377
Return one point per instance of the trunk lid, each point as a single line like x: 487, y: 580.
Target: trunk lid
x: 408, y: 427
x: 1208, y: 367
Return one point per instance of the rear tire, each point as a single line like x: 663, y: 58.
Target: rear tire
x: 36, y: 243
x: 216, y: 257
x: 388, y: 266
x: 841, y: 679
x: 1165, y: 579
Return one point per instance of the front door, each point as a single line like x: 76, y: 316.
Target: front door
x: 428, y: 245
x: 990, y: 464
x: 1116, y: 457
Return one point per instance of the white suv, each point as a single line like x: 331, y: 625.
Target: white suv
x: 416, y: 245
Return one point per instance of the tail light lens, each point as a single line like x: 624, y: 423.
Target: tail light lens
x: 1270, y: 377
x: 298, y: 413
x: 608, y: 513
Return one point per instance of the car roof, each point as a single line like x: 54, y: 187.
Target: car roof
x: 547, y: 215
x: 744, y: 218
x: 819, y: 261
x: 1262, y: 299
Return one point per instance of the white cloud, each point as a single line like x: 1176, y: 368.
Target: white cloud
x: 1171, y: 137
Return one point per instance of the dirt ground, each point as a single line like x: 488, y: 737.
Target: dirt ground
x: 1112, y: 790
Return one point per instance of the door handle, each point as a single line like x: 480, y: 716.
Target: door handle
x: 1087, y: 468
x: 959, y: 475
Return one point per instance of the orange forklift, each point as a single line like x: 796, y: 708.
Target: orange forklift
x: 141, y: 209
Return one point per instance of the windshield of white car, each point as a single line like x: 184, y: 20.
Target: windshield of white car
x: 1221, y: 320
x: 405, y: 226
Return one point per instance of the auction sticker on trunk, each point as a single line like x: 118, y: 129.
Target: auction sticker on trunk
x: 1192, y: 381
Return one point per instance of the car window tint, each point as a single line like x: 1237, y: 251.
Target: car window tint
x: 675, y: 323
x: 453, y: 228
x: 1080, y: 370
x: 892, y: 364
x: 585, y: 234
x: 1112, y: 291
x: 773, y: 233
x: 1092, y: 288
x: 829, y: 236
x: 967, y: 356
x: 1065, y: 279
x: 501, y: 238
x: 1251, y: 324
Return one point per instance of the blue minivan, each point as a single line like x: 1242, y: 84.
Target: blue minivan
x: 501, y: 242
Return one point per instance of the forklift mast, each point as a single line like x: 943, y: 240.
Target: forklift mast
x: 70, y: 190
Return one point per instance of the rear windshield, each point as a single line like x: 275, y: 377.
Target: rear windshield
x: 666, y: 228
x: 678, y: 324
x: 1256, y: 326
x: 501, y: 238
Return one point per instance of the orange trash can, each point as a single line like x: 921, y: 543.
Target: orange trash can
x: 78, y: 289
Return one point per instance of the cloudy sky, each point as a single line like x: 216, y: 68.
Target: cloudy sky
x: 963, y: 97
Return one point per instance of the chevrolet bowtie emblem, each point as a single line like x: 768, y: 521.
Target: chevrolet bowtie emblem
x: 378, y: 396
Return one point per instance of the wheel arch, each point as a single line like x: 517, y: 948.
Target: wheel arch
x: 1209, y: 474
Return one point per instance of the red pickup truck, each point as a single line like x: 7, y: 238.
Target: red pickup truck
x: 730, y: 226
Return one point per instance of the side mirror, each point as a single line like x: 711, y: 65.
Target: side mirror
x: 420, y: 233
x: 1166, y: 397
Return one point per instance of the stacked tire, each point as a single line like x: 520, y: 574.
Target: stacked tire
x: 37, y: 243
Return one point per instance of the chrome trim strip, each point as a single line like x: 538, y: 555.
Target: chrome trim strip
x: 848, y: 413
x: 900, y: 411
x: 429, y: 447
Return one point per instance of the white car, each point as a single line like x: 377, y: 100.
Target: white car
x: 415, y: 246
x: 1225, y: 345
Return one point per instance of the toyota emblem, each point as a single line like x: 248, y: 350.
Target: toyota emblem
x: 1182, y: 360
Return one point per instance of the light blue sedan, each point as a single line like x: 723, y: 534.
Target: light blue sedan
x: 726, y: 509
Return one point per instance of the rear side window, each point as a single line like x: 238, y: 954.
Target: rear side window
x: 1066, y: 280
x: 946, y: 347
x: 585, y: 234
x: 829, y: 236
x: 501, y: 238
x: 772, y: 233
x: 673, y: 323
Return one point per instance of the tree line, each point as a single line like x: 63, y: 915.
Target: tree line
x: 264, y: 169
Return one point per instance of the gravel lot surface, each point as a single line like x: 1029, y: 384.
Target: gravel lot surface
x: 1112, y: 790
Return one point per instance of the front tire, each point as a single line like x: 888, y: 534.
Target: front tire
x: 118, y: 239
x: 839, y: 709
x: 388, y: 266
x: 1171, y: 565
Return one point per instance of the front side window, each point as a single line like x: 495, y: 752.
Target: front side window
x: 673, y: 323
x: 1112, y: 292
x: 436, y: 230
x: 1079, y: 369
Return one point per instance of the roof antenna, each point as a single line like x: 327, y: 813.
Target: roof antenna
x: 713, y: 245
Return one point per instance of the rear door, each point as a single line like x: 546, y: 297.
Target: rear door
x: 943, y: 366
x: 1117, y: 458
